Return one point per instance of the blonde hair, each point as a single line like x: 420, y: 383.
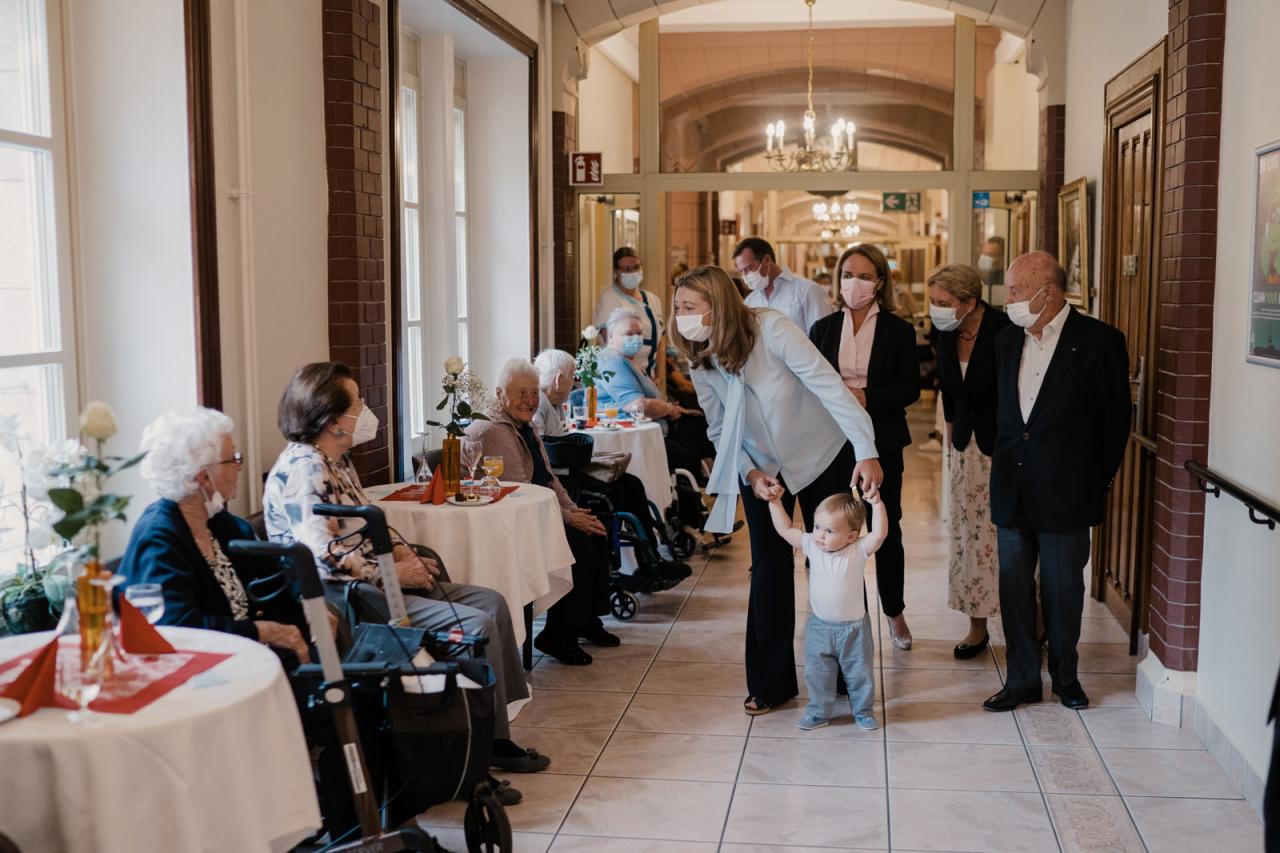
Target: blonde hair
x: 960, y: 280
x: 845, y: 505
x: 734, y: 326
x: 884, y: 293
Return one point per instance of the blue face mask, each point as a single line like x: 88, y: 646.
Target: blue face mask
x: 631, y: 345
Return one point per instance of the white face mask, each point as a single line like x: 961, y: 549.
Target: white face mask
x: 986, y: 263
x: 944, y: 319
x: 1020, y: 312
x: 755, y: 280
x: 691, y: 326
x: 366, y: 427
x: 213, y: 504
x: 630, y: 280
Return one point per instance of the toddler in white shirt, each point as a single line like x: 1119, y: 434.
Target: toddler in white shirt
x: 838, y: 632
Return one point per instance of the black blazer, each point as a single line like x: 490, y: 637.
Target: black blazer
x: 893, y: 374
x: 162, y: 550
x: 969, y: 399
x: 1052, y: 472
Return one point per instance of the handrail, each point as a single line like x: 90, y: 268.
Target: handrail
x: 1213, y: 483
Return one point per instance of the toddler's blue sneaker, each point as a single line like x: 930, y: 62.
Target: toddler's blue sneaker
x: 866, y: 722
x: 808, y: 723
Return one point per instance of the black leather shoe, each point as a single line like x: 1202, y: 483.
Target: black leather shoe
x: 1008, y: 699
x: 503, y: 791
x: 964, y: 651
x: 528, y: 761
x: 1072, y: 696
x: 564, y: 649
x: 598, y: 636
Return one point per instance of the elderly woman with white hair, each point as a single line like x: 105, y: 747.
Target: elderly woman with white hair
x: 180, y: 541
x: 555, y: 379
x: 509, y: 433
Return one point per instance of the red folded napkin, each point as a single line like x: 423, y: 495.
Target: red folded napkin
x: 137, y: 635
x: 436, y: 494
x: 506, y: 490
x: 34, y: 688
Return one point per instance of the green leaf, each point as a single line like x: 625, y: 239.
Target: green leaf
x: 72, y: 524
x: 443, y: 403
x: 464, y: 409
x: 67, y: 500
x: 128, y: 463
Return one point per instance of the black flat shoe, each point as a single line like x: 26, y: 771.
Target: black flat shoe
x: 964, y: 651
x: 503, y: 791
x: 598, y: 636
x: 1008, y: 699
x: 565, y: 650
x: 528, y: 761
x: 1072, y: 696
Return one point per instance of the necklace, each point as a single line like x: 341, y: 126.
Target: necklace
x: 969, y: 337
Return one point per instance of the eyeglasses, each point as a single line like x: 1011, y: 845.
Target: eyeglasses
x: 237, y: 458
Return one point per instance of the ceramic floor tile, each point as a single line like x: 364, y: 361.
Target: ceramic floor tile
x: 1168, y: 773
x: 1195, y: 825
x: 787, y: 761
x: 648, y: 808
x: 935, y: 685
x: 1093, y: 825
x: 574, y: 709
x: 1102, y: 629
x: 571, y: 751
x: 781, y: 723
x: 1095, y: 658
x: 696, y: 679
x: 784, y: 848
x: 808, y: 816
x: 933, y: 654
x: 960, y: 767
x: 1065, y: 770
x: 695, y: 758
x: 1105, y: 690
x: 525, y: 842
x: 942, y: 626
x: 613, y: 675
x: 949, y: 723
x: 1129, y: 727
x: 970, y: 821
x: 590, y: 844
x: 1049, y: 724
x: 717, y: 644
x: 547, y: 797
x: 705, y: 715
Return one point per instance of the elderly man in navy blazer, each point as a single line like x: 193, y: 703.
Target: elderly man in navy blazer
x: 1062, y: 423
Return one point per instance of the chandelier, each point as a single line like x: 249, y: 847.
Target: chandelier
x: 835, y: 213
x: 847, y: 231
x: 839, y: 154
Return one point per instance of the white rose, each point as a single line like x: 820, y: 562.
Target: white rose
x: 454, y: 365
x: 9, y: 425
x: 98, y: 421
x: 590, y: 333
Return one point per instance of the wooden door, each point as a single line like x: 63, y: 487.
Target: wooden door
x: 1129, y: 277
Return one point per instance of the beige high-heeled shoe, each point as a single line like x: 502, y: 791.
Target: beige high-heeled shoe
x: 900, y: 641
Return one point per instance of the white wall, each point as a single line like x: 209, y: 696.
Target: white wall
x: 524, y: 15
x: 272, y: 239
x: 131, y: 218
x: 604, y: 114
x: 498, y: 180
x: 1103, y: 37
x: 1240, y: 630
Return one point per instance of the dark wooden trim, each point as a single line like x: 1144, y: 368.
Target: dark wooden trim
x: 395, y: 239
x: 496, y: 24
x: 535, y: 213
x: 204, y: 222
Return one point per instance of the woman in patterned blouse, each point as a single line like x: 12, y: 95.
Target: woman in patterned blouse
x: 323, y: 417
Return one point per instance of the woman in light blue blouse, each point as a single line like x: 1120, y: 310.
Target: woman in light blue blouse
x: 784, y: 423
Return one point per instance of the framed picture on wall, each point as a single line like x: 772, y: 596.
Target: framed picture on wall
x: 1264, y: 289
x: 1073, y: 240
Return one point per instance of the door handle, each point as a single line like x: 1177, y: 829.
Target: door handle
x: 1138, y: 383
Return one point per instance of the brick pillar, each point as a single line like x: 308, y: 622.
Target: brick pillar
x: 1193, y: 98
x: 564, y: 138
x: 1053, y: 151
x: 353, y: 148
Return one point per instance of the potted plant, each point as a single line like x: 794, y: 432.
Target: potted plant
x: 32, y: 596
x: 588, y: 369
x: 464, y: 395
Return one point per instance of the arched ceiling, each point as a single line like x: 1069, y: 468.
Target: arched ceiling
x: 595, y: 20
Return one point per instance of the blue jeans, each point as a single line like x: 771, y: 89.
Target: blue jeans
x: 843, y: 645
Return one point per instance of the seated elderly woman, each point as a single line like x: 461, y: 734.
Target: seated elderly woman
x: 627, y: 385
x: 180, y: 540
x: 323, y: 417
x: 509, y: 433
x: 555, y: 379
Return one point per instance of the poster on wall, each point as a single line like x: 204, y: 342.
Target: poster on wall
x: 1073, y: 240
x: 1264, y: 295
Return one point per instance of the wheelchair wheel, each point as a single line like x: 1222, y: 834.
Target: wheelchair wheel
x: 683, y: 546
x: 486, y: 825
x: 623, y: 605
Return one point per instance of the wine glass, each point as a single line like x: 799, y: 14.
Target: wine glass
x: 493, y: 466
x: 148, y: 598
x: 471, y: 451
x: 636, y: 409
x: 82, y: 684
x: 423, y: 472
x: 611, y: 411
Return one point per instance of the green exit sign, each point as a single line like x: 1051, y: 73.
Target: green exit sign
x: 900, y: 202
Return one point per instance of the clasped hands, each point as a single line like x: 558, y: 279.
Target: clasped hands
x: 867, y: 476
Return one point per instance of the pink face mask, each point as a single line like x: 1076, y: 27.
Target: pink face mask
x: 857, y: 292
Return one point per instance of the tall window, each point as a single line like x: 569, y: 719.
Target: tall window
x: 411, y: 211
x: 460, y: 220
x: 37, y: 363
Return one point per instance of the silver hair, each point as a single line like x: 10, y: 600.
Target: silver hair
x: 516, y: 368
x: 178, y: 445
x: 552, y: 363
x: 621, y: 315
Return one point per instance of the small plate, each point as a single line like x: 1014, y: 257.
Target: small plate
x: 471, y: 501
x: 9, y: 709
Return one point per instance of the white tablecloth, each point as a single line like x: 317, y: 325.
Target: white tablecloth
x: 516, y: 546
x: 219, y: 763
x: 648, y: 457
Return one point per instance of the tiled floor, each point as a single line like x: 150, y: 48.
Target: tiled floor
x: 652, y: 752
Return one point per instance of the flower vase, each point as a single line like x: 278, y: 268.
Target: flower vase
x: 451, y: 465
x: 93, y: 606
x: 591, y: 406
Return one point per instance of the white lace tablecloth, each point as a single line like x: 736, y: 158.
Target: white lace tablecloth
x: 219, y: 763
x: 648, y: 456
x: 516, y: 546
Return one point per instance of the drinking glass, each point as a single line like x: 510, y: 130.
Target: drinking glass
x: 611, y: 411
x: 423, y: 473
x: 472, y: 451
x: 636, y: 409
x: 82, y: 684
x: 579, y: 414
x: 493, y: 466
x: 148, y: 598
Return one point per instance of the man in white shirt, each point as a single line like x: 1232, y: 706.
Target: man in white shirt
x: 1063, y: 418
x: 773, y: 286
